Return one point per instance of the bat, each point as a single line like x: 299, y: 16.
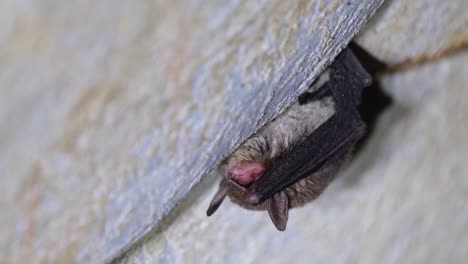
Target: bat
x: 291, y: 160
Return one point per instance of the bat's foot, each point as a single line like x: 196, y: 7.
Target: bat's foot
x: 318, y: 90
x: 314, y: 96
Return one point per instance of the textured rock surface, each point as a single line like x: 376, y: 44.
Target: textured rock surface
x: 416, y: 30
x: 112, y: 110
x: 403, y: 200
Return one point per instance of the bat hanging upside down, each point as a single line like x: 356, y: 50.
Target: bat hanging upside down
x: 291, y: 160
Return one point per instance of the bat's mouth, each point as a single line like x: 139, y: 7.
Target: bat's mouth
x: 241, y: 187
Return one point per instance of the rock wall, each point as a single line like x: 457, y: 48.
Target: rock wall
x: 111, y: 111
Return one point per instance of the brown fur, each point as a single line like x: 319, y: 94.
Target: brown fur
x: 314, y: 136
x: 277, y: 139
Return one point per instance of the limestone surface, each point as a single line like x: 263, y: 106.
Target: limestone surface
x: 112, y: 110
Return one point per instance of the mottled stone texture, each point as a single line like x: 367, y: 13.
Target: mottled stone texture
x: 408, y: 32
x: 111, y: 111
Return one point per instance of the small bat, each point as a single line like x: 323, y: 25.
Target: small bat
x: 291, y: 160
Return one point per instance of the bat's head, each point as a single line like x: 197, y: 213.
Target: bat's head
x: 238, y: 177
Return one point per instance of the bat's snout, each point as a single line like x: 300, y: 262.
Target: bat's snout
x: 246, y: 172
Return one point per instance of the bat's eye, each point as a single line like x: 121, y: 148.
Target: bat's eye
x: 246, y: 172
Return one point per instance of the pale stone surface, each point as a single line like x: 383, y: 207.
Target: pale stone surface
x: 407, y: 31
x: 112, y: 110
x: 415, y: 85
x: 403, y: 200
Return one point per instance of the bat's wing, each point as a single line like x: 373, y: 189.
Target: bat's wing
x: 331, y: 140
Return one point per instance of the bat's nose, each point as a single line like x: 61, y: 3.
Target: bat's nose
x: 246, y: 172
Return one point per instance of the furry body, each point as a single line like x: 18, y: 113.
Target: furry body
x: 291, y: 160
x: 277, y: 139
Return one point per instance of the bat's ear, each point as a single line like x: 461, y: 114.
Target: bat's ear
x: 218, y: 198
x: 278, y: 208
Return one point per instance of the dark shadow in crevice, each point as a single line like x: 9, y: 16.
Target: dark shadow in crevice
x: 374, y: 100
